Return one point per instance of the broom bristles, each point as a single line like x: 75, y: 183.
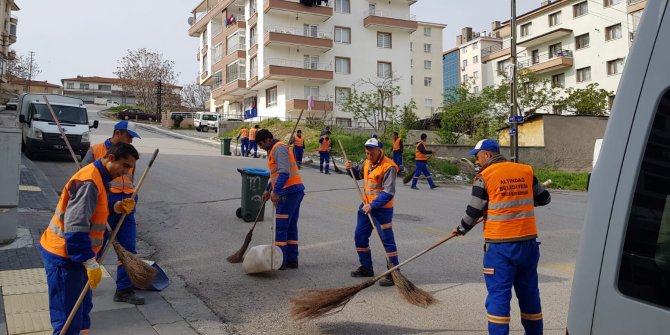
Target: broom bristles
x: 315, y: 303
x: 140, y: 273
x: 238, y: 257
x: 413, y: 294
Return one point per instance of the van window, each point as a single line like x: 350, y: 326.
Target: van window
x: 65, y: 114
x: 209, y: 117
x: 645, y: 262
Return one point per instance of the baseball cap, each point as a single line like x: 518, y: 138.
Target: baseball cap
x: 129, y: 127
x: 485, y: 144
x: 373, y: 143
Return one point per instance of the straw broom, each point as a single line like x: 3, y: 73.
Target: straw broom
x: 238, y: 257
x: 112, y: 239
x: 409, y: 291
x: 140, y: 273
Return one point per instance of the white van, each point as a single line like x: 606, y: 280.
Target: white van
x: 621, y: 284
x: 204, y: 121
x: 39, y: 130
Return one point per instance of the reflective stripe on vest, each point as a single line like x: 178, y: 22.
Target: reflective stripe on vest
x: 510, y: 214
x: 418, y: 155
x: 252, y: 134
x: 373, y: 184
x: 298, y: 141
x: 53, y: 238
x: 294, y: 177
x: 123, y: 184
x: 244, y: 133
x: 325, y: 145
x: 396, y: 145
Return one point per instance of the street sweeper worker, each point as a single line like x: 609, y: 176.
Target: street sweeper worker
x: 298, y: 147
x: 421, y: 163
x: 397, y: 150
x: 243, y: 137
x: 325, y: 146
x: 252, y: 141
x: 74, y: 237
x: 505, y: 193
x: 286, y: 192
x: 120, y: 188
x: 379, y: 174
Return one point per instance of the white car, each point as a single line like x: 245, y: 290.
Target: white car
x: 204, y: 121
x: 111, y: 103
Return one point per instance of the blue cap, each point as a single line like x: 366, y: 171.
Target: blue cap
x: 485, y: 144
x: 373, y: 143
x: 125, y: 125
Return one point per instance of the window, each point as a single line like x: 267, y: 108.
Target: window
x: 475, y: 75
x: 411, y: 63
x: 311, y: 91
x: 580, y: 9
x: 104, y: 87
x: 427, y: 81
x: 253, y: 67
x: 465, y: 62
x: 311, y: 62
x: 69, y: 86
x: 271, y: 97
x: 218, y: 80
x: 613, y: 32
x: 342, y: 35
x: 464, y: 50
x: 582, y: 41
x: 342, y: 94
x: 411, y: 80
x: 607, y: 3
x: 465, y: 78
x: 236, y: 71
x: 343, y: 122
x: 558, y: 80
x: 384, y: 40
x: 535, y: 56
x: 614, y: 66
x: 475, y: 46
x: 584, y: 74
x: 554, y: 50
x: 427, y: 65
x: 428, y: 103
x: 342, y: 65
x: 235, y: 42
x: 475, y: 59
x: 610, y: 102
x: 217, y: 53
x: 427, y: 48
x: 644, y: 271
x: 252, y: 7
x: 254, y: 35
x: 372, y: 9
x: 85, y: 86
x: 427, y: 31
x: 383, y: 70
x: 475, y: 89
x: 554, y: 19
x: 310, y: 30
x: 525, y: 29
x: 342, y: 6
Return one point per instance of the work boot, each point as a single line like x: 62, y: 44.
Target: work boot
x: 363, y: 272
x: 386, y: 282
x: 327, y: 172
x: 414, y: 188
x: 433, y: 186
x: 292, y: 265
x: 128, y: 295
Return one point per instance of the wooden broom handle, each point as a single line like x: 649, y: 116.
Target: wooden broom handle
x: 296, y: 126
x: 62, y: 132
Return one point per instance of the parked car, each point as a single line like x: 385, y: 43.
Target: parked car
x: 135, y: 114
x: 112, y: 103
x: 12, y: 104
x: 204, y: 121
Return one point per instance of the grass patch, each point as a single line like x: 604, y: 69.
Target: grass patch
x: 444, y: 167
x: 563, y: 180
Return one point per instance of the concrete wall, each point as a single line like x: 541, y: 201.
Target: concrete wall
x: 10, y: 157
x: 569, y: 144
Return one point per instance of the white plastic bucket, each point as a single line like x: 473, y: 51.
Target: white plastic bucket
x: 258, y: 260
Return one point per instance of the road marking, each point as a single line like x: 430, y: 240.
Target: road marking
x: 29, y: 188
x: 321, y: 245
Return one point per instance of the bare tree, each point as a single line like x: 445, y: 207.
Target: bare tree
x: 374, y: 106
x: 195, y: 96
x: 21, y: 68
x: 140, y: 71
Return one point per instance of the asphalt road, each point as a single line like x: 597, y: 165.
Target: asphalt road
x: 187, y: 212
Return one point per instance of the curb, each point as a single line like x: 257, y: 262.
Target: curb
x: 175, y: 134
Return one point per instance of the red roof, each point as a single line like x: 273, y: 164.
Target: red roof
x: 19, y: 81
x: 94, y: 79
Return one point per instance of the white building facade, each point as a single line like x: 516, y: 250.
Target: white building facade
x: 426, y: 63
x: 266, y: 58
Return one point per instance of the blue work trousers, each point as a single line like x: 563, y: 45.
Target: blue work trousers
x: 297, y: 153
x: 324, y: 157
x: 252, y: 145
x: 245, y: 147
x: 65, y: 281
x: 286, y: 235
x: 397, y: 159
x: 422, y: 168
x: 126, y: 237
x: 383, y: 220
x: 508, y: 265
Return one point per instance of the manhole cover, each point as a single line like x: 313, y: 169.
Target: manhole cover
x: 406, y: 217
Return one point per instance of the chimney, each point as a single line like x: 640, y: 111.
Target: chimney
x: 495, y: 25
x: 467, y: 34
x: 459, y: 39
x: 544, y: 3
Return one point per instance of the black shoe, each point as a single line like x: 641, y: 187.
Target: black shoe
x: 320, y: 171
x: 415, y: 188
x: 433, y: 187
x: 292, y: 265
x: 363, y: 272
x: 129, y: 296
x: 327, y: 172
x: 386, y: 282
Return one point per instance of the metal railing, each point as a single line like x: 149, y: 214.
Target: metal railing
x: 328, y: 4
x: 630, y: 2
x: 379, y: 13
x: 299, y: 64
x: 299, y: 32
x: 235, y: 47
x: 304, y: 97
x: 528, y: 62
x: 234, y: 75
x: 496, y: 47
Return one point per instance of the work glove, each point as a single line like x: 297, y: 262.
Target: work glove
x: 94, y: 272
x: 460, y: 230
x: 125, y: 206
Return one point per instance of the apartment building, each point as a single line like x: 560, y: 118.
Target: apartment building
x: 473, y: 71
x: 18, y: 86
x: 88, y: 89
x: 274, y: 58
x: 451, y: 73
x: 426, y: 65
x: 571, y: 42
x: 8, y: 35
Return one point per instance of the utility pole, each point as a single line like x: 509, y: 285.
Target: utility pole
x: 30, y: 70
x: 513, y: 130
x: 159, y: 93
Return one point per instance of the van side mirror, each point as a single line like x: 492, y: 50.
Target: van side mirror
x: 22, y: 118
x: 95, y: 124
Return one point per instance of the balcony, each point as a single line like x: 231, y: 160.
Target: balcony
x: 281, y: 69
x: 501, y: 49
x: 532, y: 41
x: 375, y: 19
x: 235, y: 86
x: 561, y: 59
x: 296, y: 10
x: 205, y: 12
x: 320, y: 104
x: 11, y: 55
x: 294, y: 37
x: 238, y: 24
x: 636, y: 5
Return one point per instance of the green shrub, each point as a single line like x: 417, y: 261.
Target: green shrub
x: 177, y: 120
x: 563, y: 180
x: 120, y: 108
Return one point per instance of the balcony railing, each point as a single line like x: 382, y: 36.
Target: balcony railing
x: 234, y: 75
x: 544, y: 57
x: 235, y: 47
x: 299, y: 64
x: 631, y: 2
x: 387, y: 15
x: 299, y: 32
x: 548, y: 61
x: 496, y: 47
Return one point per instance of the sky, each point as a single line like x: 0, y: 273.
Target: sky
x: 88, y: 37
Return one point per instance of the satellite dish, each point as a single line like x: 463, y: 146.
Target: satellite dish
x: 190, y: 20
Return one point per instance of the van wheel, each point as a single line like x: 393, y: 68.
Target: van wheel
x: 205, y: 129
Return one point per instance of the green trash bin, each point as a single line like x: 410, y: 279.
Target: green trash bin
x: 254, y: 181
x: 225, y: 146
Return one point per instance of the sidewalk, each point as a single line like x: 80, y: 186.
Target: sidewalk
x: 24, y: 302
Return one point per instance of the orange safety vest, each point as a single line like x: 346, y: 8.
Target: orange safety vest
x: 123, y: 184
x: 510, y: 214
x: 252, y: 134
x: 418, y: 155
x: 325, y: 145
x: 298, y: 141
x: 396, y: 145
x: 244, y: 133
x: 374, y: 180
x: 294, y: 177
x: 53, y: 238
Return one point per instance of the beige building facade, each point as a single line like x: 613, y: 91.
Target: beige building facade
x: 426, y: 64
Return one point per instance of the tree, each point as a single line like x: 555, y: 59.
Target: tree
x: 464, y: 113
x: 195, y: 96
x: 140, y: 71
x: 22, y: 68
x: 586, y: 101
x: 374, y: 106
x: 408, y: 118
x: 533, y: 93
